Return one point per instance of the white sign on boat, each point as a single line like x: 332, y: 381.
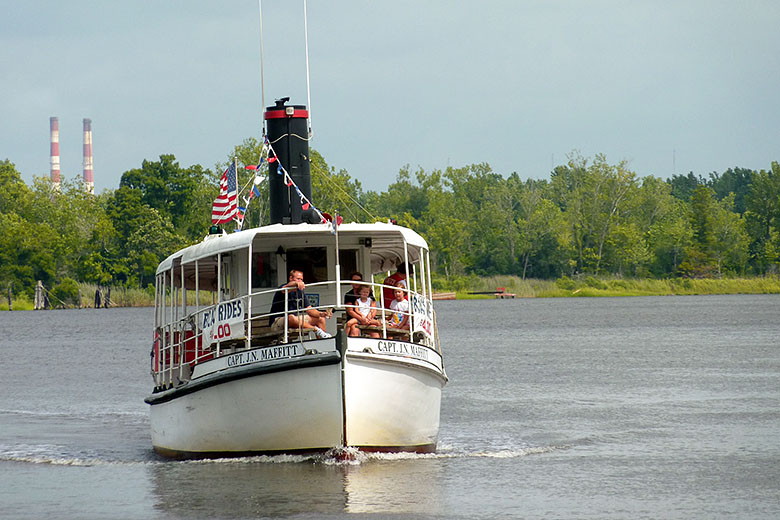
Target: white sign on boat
x: 224, y: 322
x: 422, y: 314
x: 291, y: 350
x: 418, y: 354
x: 265, y: 354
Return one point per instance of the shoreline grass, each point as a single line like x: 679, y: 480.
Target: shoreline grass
x: 589, y: 287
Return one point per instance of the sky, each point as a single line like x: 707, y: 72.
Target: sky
x: 668, y: 86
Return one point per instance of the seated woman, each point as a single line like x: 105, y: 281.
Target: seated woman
x: 366, y: 314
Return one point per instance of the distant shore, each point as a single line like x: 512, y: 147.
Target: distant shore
x: 565, y: 287
x: 589, y: 286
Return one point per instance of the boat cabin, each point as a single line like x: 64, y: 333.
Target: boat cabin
x: 214, y: 298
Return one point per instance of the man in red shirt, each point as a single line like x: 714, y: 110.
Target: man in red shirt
x: 398, y: 279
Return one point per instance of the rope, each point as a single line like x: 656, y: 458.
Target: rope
x: 52, y: 297
x: 350, y: 197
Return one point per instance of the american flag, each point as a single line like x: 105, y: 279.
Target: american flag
x: 226, y: 205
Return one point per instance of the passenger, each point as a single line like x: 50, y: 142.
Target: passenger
x: 296, y: 301
x: 400, y: 307
x: 398, y: 279
x: 366, y: 311
x: 353, y: 294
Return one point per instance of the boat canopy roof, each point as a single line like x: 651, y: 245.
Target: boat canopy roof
x: 387, y: 242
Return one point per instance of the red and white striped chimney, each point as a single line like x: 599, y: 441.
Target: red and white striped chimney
x: 54, y: 129
x: 89, y: 179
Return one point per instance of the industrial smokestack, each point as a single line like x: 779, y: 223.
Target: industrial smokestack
x: 89, y: 180
x: 54, y: 129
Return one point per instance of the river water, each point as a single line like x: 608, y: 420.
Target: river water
x: 656, y: 407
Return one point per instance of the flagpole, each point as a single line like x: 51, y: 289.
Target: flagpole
x: 306, y: 40
x: 262, y: 76
x: 335, y: 224
x: 239, y: 222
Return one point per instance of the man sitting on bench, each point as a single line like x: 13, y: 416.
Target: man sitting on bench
x: 296, y: 300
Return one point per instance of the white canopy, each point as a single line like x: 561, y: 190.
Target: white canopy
x: 387, y: 248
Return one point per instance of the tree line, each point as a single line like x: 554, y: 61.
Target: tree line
x: 589, y: 217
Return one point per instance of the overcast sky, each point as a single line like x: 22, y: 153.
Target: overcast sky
x: 670, y: 86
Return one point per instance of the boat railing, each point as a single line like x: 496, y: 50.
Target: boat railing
x: 181, y: 344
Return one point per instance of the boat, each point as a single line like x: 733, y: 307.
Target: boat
x: 444, y: 296
x: 226, y: 382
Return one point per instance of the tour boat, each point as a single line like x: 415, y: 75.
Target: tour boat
x: 227, y: 383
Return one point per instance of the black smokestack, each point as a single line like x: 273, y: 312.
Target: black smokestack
x: 288, y: 133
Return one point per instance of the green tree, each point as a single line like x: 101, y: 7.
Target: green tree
x: 26, y: 253
x: 719, y: 238
x: 668, y: 238
x: 568, y: 186
x: 177, y: 193
x: 683, y: 186
x: 65, y: 293
x: 652, y: 203
x: 76, y: 216
x: 762, y: 217
x: 702, y: 217
x: 336, y: 191
x: 612, y: 190
x: 407, y: 194
x: 593, y: 199
x: 14, y: 193
x: 730, y: 245
x: 544, y: 237
x: 485, y: 204
x: 149, y: 245
x: 446, y: 236
x: 631, y: 251
x: 733, y: 180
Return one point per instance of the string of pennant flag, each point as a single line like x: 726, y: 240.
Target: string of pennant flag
x: 269, y: 159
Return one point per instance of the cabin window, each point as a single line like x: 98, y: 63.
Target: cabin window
x: 263, y: 270
x: 312, y: 261
x: 348, y: 259
x: 225, y: 277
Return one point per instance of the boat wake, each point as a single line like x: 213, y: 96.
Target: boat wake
x: 97, y: 413
x: 54, y: 455
x: 351, y: 456
x: 60, y: 455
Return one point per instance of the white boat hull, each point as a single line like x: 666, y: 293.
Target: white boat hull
x: 367, y: 397
x: 392, y: 403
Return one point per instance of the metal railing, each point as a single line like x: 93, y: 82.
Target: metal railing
x: 179, y: 344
